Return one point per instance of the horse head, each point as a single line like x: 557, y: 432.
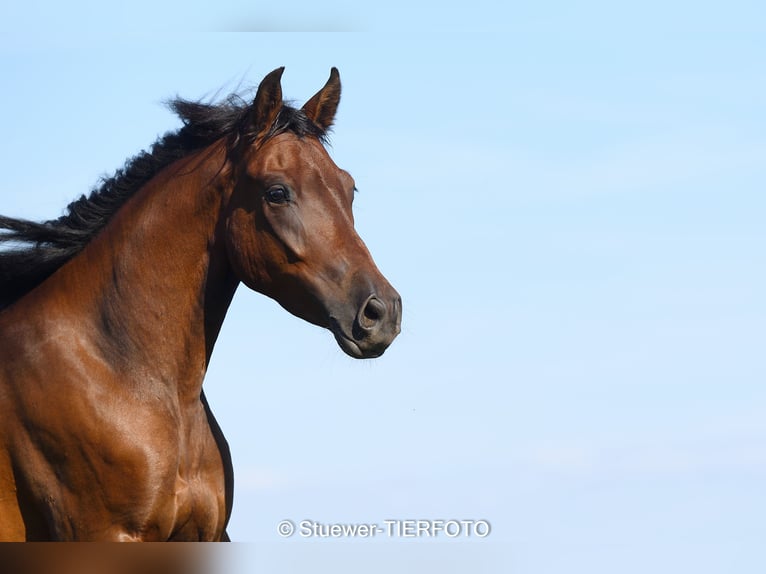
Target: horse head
x: 289, y: 223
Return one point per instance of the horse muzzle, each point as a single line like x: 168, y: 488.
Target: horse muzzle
x: 372, y: 329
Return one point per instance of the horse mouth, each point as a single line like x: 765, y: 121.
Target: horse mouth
x: 346, y: 343
x: 351, y: 347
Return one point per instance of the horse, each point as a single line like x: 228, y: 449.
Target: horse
x: 109, y: 315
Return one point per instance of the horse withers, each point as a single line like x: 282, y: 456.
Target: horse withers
x: 110, y: 314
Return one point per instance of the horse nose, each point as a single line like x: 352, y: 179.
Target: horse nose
x: 372, y: 313
x: 378, y: 322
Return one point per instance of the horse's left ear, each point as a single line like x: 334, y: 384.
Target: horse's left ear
x: 322, y: 107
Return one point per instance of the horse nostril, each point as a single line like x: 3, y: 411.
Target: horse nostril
x: 373, y: 312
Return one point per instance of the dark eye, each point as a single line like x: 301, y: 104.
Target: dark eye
x: 277, y: 195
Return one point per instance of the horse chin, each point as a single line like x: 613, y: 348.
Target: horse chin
x: 346, y: 343
x: 349, y: 347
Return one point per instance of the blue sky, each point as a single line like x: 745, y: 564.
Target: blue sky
x: 571, y: 203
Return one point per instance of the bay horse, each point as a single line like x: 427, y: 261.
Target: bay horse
x: 110, y: 314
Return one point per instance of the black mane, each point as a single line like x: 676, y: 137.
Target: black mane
x: 37, y: 250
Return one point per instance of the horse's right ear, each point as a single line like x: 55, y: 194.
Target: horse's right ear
x: 267, y: 104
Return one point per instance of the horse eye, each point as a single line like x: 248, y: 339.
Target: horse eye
x: 277, y: 195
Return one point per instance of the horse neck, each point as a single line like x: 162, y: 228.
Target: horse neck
x: 161, y: 283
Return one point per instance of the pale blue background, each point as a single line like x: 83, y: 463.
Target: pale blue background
x: 571, y: 201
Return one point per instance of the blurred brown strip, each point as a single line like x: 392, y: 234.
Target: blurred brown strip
x: 102, y: 558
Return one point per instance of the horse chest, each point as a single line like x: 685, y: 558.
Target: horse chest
x: 179, y: 484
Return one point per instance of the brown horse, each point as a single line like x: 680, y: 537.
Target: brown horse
x: 110, y: 313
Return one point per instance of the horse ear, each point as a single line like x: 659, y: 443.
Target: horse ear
x: 267, y: 103
x: 322, y: 107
